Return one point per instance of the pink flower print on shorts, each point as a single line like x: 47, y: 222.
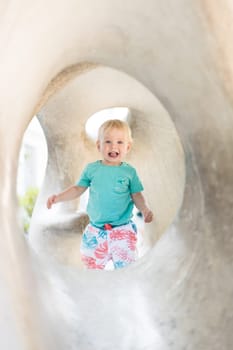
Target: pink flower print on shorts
x: 100, y: 245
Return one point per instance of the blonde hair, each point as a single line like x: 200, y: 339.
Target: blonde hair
x: 115, y: 124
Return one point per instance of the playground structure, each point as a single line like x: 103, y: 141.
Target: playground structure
x: 171, y: 65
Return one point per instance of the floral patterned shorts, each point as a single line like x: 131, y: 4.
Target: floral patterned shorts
x: 100, y: 245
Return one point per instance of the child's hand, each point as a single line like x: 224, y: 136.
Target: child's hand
x: 147, y: 215
x: 51, y: 200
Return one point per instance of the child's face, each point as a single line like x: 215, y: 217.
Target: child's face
x: 114, y: 145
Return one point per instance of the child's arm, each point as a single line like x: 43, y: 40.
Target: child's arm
x: 68, y: 194
x: 140, y: 204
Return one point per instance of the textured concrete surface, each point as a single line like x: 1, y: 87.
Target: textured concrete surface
x: 171, y: 64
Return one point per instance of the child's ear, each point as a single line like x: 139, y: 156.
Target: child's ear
x: 129, y: 146
x: 98, y: 144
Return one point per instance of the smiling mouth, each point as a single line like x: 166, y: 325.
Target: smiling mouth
x: 113, y: 154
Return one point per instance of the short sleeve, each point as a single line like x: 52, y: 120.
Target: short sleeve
x: 84, y: 180
x: 135, y: 183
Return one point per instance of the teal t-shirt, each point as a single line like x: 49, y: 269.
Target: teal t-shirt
x: 110, y: 192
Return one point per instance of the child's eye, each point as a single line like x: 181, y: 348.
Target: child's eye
x: 120, y: 142
x: 107, y: 141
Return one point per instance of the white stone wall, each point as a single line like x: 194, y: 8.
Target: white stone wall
x: 170, y: 63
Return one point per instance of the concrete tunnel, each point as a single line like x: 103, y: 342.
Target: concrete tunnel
x: 171, y: 65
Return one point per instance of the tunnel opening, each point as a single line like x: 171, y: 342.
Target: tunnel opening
x: 157, y: 153
x: 31, y: 170
x: 97, y: 119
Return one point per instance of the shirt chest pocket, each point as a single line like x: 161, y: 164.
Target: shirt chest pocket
x: 122, y: 185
